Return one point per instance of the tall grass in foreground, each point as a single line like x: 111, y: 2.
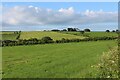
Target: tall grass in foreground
x: 108, y: 66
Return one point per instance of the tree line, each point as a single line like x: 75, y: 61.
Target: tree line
x: 72, y: 29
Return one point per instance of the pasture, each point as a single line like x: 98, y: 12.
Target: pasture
x: 94, y: 34
x: 67, y: 60
x: 53, y: 35
x: 8, y: 35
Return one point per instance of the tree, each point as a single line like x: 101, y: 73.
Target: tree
x: 107, y: 31
x: 87, y: 30
x: 117, y: 30
x: 55, y: 30
x: 47, y: 39
x: 64, y: 30
x: 71, y: 29
x: 113, y: 30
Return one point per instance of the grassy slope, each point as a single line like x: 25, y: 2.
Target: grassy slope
x: 53, y: 35
x: 94, y: 34
x: 8, y: 35
x: 53, y: 60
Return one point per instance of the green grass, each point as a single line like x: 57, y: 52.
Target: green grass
x: 6, y: 32
x: 53, y: 35
x: 101, y: 34
x: 70, y: 60
x: 8, y: 36
x: 94, y: 34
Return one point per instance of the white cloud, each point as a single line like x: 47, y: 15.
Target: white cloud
x: 68, y: 11
x: 30, y: 6
x: 32, y: 16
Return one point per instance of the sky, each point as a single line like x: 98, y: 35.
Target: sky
x: 34, y: 16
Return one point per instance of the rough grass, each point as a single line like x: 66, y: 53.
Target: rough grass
x: 70, y: 60
x: 53, y: 35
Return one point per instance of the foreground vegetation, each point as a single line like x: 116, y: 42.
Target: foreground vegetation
x: 68, y: 60
x: 108, y: 66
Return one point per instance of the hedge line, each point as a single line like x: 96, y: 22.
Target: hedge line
x: 47, y: 40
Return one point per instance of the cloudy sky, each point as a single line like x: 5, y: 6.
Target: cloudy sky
x: 98, y: 16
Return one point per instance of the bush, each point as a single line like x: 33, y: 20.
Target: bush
x: 108, y: 66
x: 47, y: 39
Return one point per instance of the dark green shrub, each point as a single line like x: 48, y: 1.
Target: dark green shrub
x: 47, y: 39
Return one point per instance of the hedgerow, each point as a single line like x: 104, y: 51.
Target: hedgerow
x: 47, y: 40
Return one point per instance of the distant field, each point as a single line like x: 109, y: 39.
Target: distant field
x: 53, y: 35
x: 8, y: 35
x: 6, y: 32
x: 94, y: 34
x: 68, y: 60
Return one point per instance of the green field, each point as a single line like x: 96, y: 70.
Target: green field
x: 94, y: 34
x: 68, y: 60
x: 9, y: 36
x: 53, y: 35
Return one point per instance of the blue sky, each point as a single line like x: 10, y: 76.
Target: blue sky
x: 79, y: 6
x: 97, y: 16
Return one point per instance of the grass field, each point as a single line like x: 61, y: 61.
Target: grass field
x: 8, y: 35
x: 68, y: 60
x: 6, y: 32
x: 53, y: 35
x: 94, y: 34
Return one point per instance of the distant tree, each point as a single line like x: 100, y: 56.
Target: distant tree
x: 117, y: 30
x: 55, y: 30
x: 64, y: 30
x: 113, y: 31
x: 87, y: 30
x: 71, y: 29
x: 107, y: 31
x: 77, y: 29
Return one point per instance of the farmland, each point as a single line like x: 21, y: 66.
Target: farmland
x: 54, y: 60
x: 68, y: 60
x: 8, y: 35
x: 53, y: 35
x: 94, y: 34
